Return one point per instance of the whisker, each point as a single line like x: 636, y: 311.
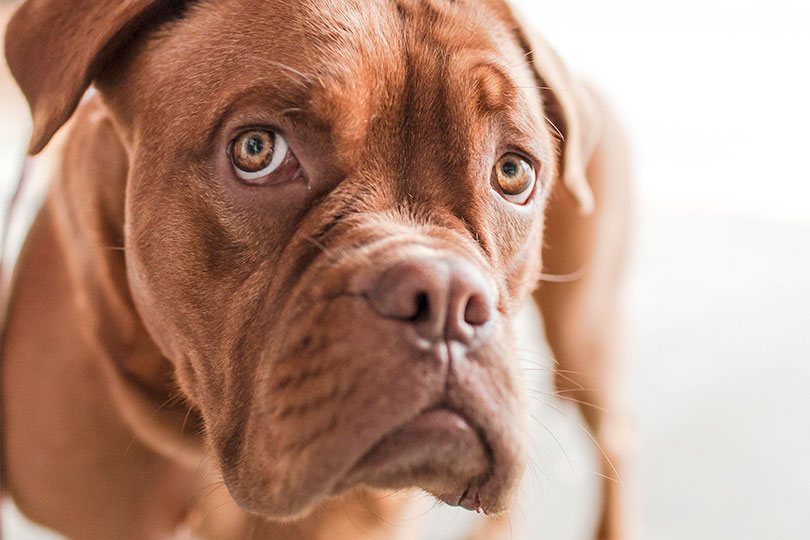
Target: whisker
x: 536, y: 394
x: 564, y: 278
x: 291, y: 110
x: 210, y: 489
x: 547, y: 357
x: 565, y: 454
x: 549, y: 88
x: 351, y: 519
x: 562, y: 374
x: 319, y: 245
x: 534, y: 365
x: 562, y: 137
x: 560, y: 393
x: 304, y: 77
x: 522, y: 283
x: 540, y: 353
x: 209, y: 511
x: 412, y: 496
x: 534, y: 467
x: 587, y: 432
x: 335, y: 255
x: 185, y: 418
x: 379, y: 518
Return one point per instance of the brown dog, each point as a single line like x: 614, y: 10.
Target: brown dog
x: 284, y: 250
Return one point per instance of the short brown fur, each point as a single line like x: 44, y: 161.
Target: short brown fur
x: 172, y: 328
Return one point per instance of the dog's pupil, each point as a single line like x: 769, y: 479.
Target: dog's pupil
x: 510, y: 168
x: 255, y: 145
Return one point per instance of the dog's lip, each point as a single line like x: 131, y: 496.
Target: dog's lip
x: 439, y: 446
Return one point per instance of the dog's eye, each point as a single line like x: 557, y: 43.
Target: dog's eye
x: 515, y: 177
x: 256, y: 153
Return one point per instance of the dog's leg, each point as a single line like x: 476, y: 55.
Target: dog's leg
x: 494, y: 528
x: 581, y: 312
x: 357, y: 514
x: 70, y: 460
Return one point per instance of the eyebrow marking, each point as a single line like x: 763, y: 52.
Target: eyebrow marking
x: 290, y: 95
x: 494, y: 88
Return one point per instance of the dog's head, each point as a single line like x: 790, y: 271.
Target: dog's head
x: 333, y: 211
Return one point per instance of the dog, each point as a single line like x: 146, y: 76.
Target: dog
x: 283, y: 250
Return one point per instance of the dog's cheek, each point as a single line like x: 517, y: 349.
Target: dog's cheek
x: 519, y: 260
x: 182, y: 264
x: 526, y: 270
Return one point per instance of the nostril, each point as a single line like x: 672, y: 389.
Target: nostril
x: 477, y: 311
x: 438, y: 297
x: 422, y: 311
x: 411, y: 291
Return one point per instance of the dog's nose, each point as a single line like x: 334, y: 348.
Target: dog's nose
x: 442, y: 297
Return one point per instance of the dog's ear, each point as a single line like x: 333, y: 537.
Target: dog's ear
x: 55, y: 48
x: 568, y: 106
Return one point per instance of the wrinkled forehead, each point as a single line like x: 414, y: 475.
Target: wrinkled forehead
x: 337, y: 62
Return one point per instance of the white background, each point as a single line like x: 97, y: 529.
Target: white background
x: 715, y: 95
x: 716, y: 98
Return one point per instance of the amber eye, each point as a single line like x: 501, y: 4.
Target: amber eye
x: 256, y: 153
x: 515, y: 177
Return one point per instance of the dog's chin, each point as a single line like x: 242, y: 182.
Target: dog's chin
x: 439, y: 451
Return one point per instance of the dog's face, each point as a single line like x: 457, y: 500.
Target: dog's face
x: 333, y: 211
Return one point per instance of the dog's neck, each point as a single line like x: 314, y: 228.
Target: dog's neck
x: 87, y: 204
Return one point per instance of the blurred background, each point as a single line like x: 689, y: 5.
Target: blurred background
x: 716, y: 98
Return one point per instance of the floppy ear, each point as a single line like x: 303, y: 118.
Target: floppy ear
x: 55, y: 48
x: 571, y: 110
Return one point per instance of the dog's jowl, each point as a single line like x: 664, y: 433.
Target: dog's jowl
x: 282, y: 253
